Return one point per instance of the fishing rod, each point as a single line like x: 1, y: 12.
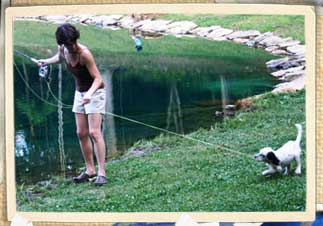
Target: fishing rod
x: 43, y: 70
x: 27, y: 56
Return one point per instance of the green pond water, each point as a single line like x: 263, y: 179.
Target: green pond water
x: 178, y: 93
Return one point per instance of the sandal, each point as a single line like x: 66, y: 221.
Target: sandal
x: 100, y: 180
x: 83, y: 177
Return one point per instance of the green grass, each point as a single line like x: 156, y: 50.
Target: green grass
x: 284, y: 26
x: 117, y: 48
x: 188, y: 176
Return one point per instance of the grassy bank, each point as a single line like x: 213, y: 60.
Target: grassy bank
x: 177, y: 174
x: 106, y: 43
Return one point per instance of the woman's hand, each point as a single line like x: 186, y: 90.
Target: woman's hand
x: 53, y: 60
x: 86, y: 99
x: 42, y: 62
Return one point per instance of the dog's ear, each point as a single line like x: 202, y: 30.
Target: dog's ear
x: 272, y: 158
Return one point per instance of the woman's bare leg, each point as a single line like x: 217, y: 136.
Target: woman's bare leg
x: 83, y: 134
x: 95, y: 121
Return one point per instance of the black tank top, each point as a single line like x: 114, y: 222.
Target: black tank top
x: 82, y: 76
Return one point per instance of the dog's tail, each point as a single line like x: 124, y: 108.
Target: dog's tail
x: 299, y: 134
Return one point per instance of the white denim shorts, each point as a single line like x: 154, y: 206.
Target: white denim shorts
x: 96, y: 104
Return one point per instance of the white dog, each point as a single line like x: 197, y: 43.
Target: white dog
x: 283, y: 157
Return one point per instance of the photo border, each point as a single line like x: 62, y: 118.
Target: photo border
x: 251, y: 9
x: 319, y: 159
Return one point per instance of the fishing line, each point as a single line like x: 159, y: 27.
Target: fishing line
x: 31, y: 89
x: 180, y: 135
x: 134, y: 121
x: 57, y: 99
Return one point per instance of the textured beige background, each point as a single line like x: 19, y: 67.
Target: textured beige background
x: 319, y: 104
x: 319, y: 80
x: 57, y: 2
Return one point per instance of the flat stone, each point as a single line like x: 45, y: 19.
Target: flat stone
x: 278, y: 73
x: 251, y: 43
x: 280, y: 52
x: 277, y: 63
x: 298, y: 49
x: 141, y: 23
x: 293, y: 75
x: 94, y: 20
x: 111, y: 20
x: 219, y: 39
x: 240, y: 40
x: 271, y: 48
x: 217, y: 33
x: 290, y: 70
x: 84, y: 18
x: 113, y: 28
x: 271, y: 41
x: 74, y: 19
x: 204, y: 31
x: 55, y: 19
x: 155, y: 26
x: 289, y: 43
x: 297, y: 84
x: 300, y: 59
x: 263, y: 36
x: 291, y: 63
x: 181, y: 27
x: 97, y: 20
x: 243, y: 34
x: 126, y: 22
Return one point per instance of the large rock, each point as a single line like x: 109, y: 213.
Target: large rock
x: 155, y: 26
x: 271, y: 48
x: 240, y: 40
x: 95, y: 20
x: 84, y: 18
x: 91, y: 20
x: 141, y: 23
x: 289, y: 43
x: 127, y: 22
x: 55, y: 19
x: 251, y: 43
x: 219, y: 39
x: 181, y: 27
x: 243, y: 34
x: 281, y: 52
x: 281, y: 73
x: 204, y: 31
x: 73, y: 19
x: 218, y: 33
x: 111, y: 20
x: 293, y: 75
x: 298, y: 49
x: 297, y: 84
x: 277, y: 63
x: 263, y: 36
x: 271, y: 41
x: 292, y: 63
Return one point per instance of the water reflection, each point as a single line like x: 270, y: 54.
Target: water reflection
x: 21, y: 148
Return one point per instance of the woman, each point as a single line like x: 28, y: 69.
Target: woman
x: 89, y: 99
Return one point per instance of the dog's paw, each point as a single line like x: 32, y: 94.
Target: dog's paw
x: 268, y: 172
x: 264, y: 173
x: 298, y: 173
